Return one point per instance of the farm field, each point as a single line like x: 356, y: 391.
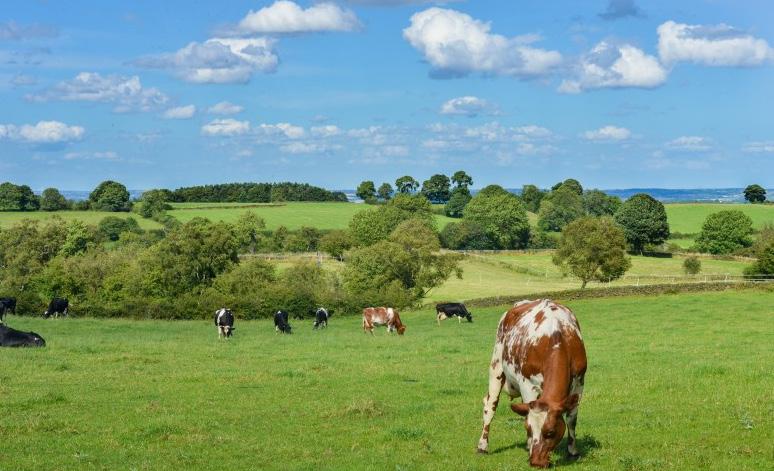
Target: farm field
x: 688, y: 218
x: 674, y: 382
x: 8, y: 218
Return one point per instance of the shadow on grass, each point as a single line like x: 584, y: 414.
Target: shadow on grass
x: 586, y: 444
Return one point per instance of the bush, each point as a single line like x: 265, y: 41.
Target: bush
x: 692, y: 265
x: 765, y: 263
x: 644, y: 221
x: 725, y: 232
x: 335, y: 243
x: 111, y: 227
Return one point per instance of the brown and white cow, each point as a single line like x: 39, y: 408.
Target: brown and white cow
x: 538, y: 355
x: 375, y: 316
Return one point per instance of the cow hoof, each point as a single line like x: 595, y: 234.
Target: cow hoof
x: 573, y: 457
x: 482, y: 452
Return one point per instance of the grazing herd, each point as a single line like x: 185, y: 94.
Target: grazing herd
x: 538, y: 356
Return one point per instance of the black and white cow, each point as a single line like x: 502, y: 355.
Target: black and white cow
x: 7, y: 305
x: 57, y: 306
x: 224, y: 321
x: 321, y: 317
x: 16, y: 338
x: 447, y: 310
x: 281, y: 322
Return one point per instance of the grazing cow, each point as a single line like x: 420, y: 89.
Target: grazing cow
x: 7, y: 305
x: 281, y: 322
x: 447, y: 310
x: 374, y: 316
x: 224, y: 321
x: 538, y: 355
x: 57, y: 306
x: 321, y: 317
x: 16, y: 338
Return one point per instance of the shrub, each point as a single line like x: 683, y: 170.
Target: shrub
x: 692, y: 265
x: 725, y: 232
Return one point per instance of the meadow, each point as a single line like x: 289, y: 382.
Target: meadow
x: 687, y: 218
x: 8, y: 218
x: 678, y: 382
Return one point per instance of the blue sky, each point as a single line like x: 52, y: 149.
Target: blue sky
x: 616, y: 93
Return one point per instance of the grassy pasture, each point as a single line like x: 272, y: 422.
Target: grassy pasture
x: 8, y: 219
x: 674, y: 382
x: 689, y: 217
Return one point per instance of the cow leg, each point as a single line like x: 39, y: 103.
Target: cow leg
x: 496, y: 381
x: 65, y: 312
x: 572, y: 421
x: 459, y: 320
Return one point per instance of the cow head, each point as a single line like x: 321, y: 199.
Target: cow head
x: 401, y: 329
x: 37, y: 340
x: 229, y: 330
x: 545, y: 427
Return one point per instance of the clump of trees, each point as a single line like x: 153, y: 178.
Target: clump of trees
x: 17, y: 198
x: 500, y: 216
x: 725, y: 232
x: 254, y: 193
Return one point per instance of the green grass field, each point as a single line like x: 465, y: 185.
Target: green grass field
x: 688, y: 218
x: 674, y: 382
x: 8, y: 219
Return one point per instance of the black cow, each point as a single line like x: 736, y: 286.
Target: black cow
x: 16, y: 338
x: 447, y: 310
x: 281, y: 322
x: 224, y: 321
x: 321, y: 317
x: 57, y: 306
x: 7, y: 305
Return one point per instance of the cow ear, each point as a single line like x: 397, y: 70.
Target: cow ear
x: 520, y: 408
x: 571, y: 402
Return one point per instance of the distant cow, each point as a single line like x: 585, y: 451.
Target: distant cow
x: 375, y: 316
x: 16, y: 338
x: 7, y: 305
x: 446, y: 310
x: 57, y: 306
x: 224, y: 321
x: 321, y: 317
x: 281, y: 322
x: 538, y: 355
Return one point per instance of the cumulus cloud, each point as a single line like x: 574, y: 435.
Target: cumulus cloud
x: 469, y: 106
x: 759, y: 147
x: 282, y: 129
x: 326, y: 131
x: 614, y: 66
x: 456, y: 44
x: 617, y: 9
x: 225, y: 127
x: 306, y: 148
x: 608, y: 133
x: 44, y: 132
x: 180, y: 112
x: 712, y: 45
x: 125, y: 93
x: 690, y: 143
x: 284, y: 16
x: 225, y: 108
x: 10, y: 30
x: 401, y: 2
x: 217, y: 60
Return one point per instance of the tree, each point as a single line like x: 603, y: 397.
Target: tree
x: 17, y: 198
x: 110, y: 196
x: 366, y: 191
x: 406, y: 184
x: 599, y: 203
x: 248, y: 230
x: 501, y: 216
x: 559, y: 208
x: 755, y: 194
x: 372, y: 225
x: 493, y: 190
x: 592, y: 249
x: 111, y: 227
x: 725, y: 232
x: 644, y: 221
x: 335, y: 243
x: 461, y: 179
x: 570, y: 183
x: 532, y: 196
x: 77, y: 240
x: 460, y: 198
x: 692, y: 265
x: 385, y: 192
x: 153, y: 202
x: 765, y: 263
x: 52, y: 200
x: 465, y: 236
x: 436, y: 189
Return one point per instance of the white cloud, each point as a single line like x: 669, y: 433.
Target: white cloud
x: 108, y: 155
x: 456, y: 44
x: 615, y: 66
x: 44, y: 132
x: 218, y: 60
x: 225, y: 127
x: 533, y: 132
x: 690, y: 143
x: 282, y: 129
x: 225, y: 108
x: 307, y: 148
x: 326, y: 131
x: 608, y: 133
x: 288, y: 17
x: 180, y: 112
x: 469, y: 106
x: 759, y: 147
x: 712, y: 45
x: 125, y: 93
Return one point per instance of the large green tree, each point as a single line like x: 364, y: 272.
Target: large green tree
x: 110, y: 196
x: 460, y: 198
x: 592, y: 249
x: 153, y: 203
x: 385, y: 192
x: 366, y: 191
x: 501, y: 216
x: 17, y: 198
x: 765, y: 263
x: 644, y: 221
x: 369, y: 226
x: 559, y: 208
x: 406, y: 184
x: 248, y: 230
x: 570, y: 183
x: 436, y: 189
x: 52, y: 200
x: 755, y: 194
x: 461, y: 179
x: 725, y: 232
x: 532, y: 196
x: 599, y: 203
